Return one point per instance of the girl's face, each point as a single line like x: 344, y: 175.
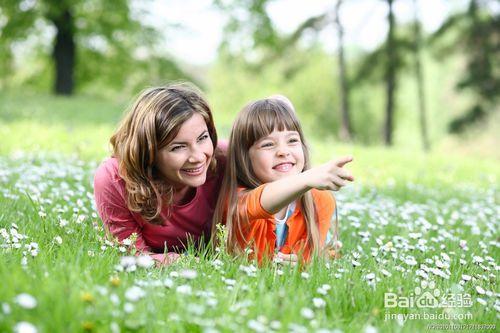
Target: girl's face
x: 277, y: 155
x: 185, y: 160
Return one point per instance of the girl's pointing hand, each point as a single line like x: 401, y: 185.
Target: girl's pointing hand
x: 331, y: 175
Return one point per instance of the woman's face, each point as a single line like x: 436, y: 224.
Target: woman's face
x: 184, y: 161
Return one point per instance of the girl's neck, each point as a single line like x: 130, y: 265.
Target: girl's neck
x: 282, y: 213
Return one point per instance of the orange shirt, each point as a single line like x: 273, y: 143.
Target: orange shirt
x: 258, y: 226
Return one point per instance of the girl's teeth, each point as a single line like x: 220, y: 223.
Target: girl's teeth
x: 284, y: 167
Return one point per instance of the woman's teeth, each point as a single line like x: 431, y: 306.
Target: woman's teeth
x: 193, y: 171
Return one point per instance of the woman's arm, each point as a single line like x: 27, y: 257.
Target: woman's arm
x: 329, y: 176
x: 119, y: 222
x: 117, y: 218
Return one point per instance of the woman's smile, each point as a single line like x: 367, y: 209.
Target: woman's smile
x: 195, y: 171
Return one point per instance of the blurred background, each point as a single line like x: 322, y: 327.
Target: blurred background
x: 410, y: 75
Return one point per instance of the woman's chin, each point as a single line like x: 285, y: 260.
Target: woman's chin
x: 195, y: 181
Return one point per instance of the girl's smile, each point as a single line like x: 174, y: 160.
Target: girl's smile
x: 284, y: 167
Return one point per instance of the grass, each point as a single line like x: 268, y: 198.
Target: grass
x: 405, y: 220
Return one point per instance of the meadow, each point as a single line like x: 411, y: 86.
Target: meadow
x: 412, y: 225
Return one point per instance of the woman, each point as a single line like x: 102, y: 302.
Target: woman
x: 163, y: 179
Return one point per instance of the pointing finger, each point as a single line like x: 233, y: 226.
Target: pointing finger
x: 345, y: 174
x: 340, y: 162
x: 339, y: 182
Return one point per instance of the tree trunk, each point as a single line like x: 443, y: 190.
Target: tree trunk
x: 64, y: 52
x: 345, y: 128
x: 390, y: 78
x: 420, y: 81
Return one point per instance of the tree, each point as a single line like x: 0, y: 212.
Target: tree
x: 92, y: 38
x: 384, y: 64
x: 345, y: 129
x: 64, y: 47
x: 390, y: 77
x: 420, y: 79
x: 475, y: 33
x: 387, y: 62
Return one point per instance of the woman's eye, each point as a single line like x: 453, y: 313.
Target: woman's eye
x: 203, y: 137
x: 174, y: 148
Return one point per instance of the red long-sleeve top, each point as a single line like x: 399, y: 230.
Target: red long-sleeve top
x: 191, y: 220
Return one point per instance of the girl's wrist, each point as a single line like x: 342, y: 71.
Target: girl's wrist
x: 305, y: 180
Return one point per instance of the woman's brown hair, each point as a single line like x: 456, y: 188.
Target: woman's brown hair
x: 153, y: 122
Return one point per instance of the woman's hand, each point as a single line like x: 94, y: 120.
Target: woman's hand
x: 165, y: 259
x: 330, y: 176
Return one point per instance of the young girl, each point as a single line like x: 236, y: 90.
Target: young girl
x: 271, y: 201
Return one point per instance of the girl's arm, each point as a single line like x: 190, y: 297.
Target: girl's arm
x: 329, y: 176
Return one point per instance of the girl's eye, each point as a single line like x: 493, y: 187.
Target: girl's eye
x: 266, y: 144
x: 293, y: 140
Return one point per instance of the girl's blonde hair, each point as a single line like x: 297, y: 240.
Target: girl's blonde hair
x: 255, y: 121
x: 153, y: 122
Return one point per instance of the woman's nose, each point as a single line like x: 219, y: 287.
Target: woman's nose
x: 196, y: 156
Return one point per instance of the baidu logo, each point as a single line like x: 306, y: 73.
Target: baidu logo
x: 427, y: 296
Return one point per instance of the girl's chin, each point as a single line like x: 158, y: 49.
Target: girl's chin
x: 281, y: 174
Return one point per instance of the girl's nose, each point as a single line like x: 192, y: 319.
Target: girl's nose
x: 283, y: 151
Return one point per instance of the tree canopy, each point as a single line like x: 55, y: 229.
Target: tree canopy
x: 92, y: 42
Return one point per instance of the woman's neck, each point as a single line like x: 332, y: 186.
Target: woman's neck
x: 183, y: 195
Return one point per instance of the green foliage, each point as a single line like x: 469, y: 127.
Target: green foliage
x: 251, y: 35
x: 475, y: 33
x: 308, y: 84
x: 116, y: 50
x: 250, y: 31
x: 371, y: 66
x: 314, y: 90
